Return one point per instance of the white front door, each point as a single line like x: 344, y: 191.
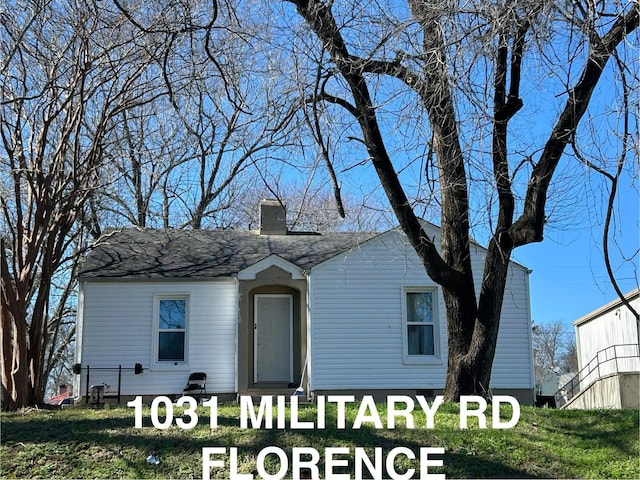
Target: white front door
x: 273, y: 338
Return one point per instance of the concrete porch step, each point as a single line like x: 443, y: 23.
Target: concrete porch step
x: 257, y: 393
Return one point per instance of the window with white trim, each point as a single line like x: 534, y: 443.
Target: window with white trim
x: 171, y: 328
x: 420, y: 324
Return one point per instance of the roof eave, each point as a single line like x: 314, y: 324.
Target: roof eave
x: 606, y: 308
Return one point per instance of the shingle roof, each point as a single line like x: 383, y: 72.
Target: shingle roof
x: 163, y: 254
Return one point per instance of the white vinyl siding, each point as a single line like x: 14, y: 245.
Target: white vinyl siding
x: 357, y: 326
x: 616, y: 326
x: 356, y: 319
x: 119, y: 328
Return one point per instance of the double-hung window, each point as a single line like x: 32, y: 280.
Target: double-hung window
x: 171, y: 327
x: 420, y: 324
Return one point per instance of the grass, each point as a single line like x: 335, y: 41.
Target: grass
x: 86, y: 443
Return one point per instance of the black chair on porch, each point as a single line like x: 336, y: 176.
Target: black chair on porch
x: 196, y: 385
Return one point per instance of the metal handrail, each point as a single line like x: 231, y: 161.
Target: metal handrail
x: 78, y: 368
x: 574, y: 386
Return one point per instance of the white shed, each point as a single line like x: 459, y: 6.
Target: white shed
x: 608, y: 357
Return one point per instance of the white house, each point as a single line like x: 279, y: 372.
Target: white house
x: 265, y: 312
x: 608, y: 358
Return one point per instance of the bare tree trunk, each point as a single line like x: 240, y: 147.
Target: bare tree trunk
x: 5, y: 345
x: 472, y: 322
x: 15, y: 379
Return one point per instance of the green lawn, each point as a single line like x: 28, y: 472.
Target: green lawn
x: 85, y: 443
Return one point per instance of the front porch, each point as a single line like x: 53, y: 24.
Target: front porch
x: 272, y: 330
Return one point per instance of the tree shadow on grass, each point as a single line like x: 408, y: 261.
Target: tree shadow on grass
x: 106, y: 445
x: 609, y: 429
x: 97, y: 444
x: 81, y: 445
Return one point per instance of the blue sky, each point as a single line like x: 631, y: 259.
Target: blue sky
x: 569, y: 278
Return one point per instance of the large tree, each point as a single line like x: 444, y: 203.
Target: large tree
x: 68, y: 76
x: 148, y: 115
x: 188, y: 159
x: 461, y: 72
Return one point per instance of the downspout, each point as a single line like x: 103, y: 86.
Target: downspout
x: 237, y: 333
x: 532, y: 374
x: 77, y: 378
x: 308, y: 355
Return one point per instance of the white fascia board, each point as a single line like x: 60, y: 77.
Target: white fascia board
x: 272, y: 260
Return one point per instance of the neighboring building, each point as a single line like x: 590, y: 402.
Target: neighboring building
x: 608, y: 358
x: 551, y: 383
x: 64, y: 396
x: 264, y: 312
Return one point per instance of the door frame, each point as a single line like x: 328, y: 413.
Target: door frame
x: 256, y: 297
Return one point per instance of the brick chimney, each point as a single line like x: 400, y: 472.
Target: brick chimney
x: 273, y: 218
